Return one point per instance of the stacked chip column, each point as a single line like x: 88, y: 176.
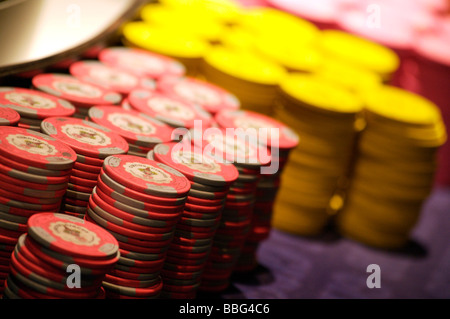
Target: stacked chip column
x: 394, y: 172
x: 280, y: 140
x: 92, y: 144
x: 139, y: 201
x: 191, y: 246
x: 319, y: 168
x: 237, y: 215
x: 34, y: 171
x: 60, y: 257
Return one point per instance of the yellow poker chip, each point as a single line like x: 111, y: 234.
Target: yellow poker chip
x: 245, y: 65
x: 293, y: 55
x: 191, y: 22
x: 237, y: 38
x: 312, y: 91
x: 358, y: 51
x: 263, y: 20
x: 356, y: 79
x: 293, y: 220
x: 355, y: 227
x: 166, y: 41
x: 225, y: 10
x: 402, y: 106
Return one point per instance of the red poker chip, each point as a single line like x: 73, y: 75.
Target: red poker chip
x: 162, y: 213
x: 72, y: 236
x: 79, y: 93
x: 134, y: 292
x: 205, y: 202
x: 179, y: 282
x: 189, y: 249
x: 141, y: 62
x: 137, y: 128
x: 140, y: 270
x: 82, y: 181
x: 130, y: 282
x: 87, y: 168
x: 34, y: 104
x: 29, y: 199
x: 8, y: 116
x: 105, y: 180
x: 48, y: 291
x: 286, y: 138
x: 144, y: 250
x: 168, y: 109
x: 191, y: 241
x: 197, y: 229
x: 28, y: 206
x: 128, y: 232
x: 31, y: 192
x: 85, y: 175
x: 193, y: 234
x: 140, y: 263
x: 187, y: 255
x: 209, y: 188
x: 195, y: 165
x: 146, y: 176
x: 120, y: 81
x: 75, y: 202
x: 134, y: 276
x: 175, y: 267
x: 203, y: 209
x: 79, y: 188
x: 21, y: 267
x: 94, y: 264
x: 209, y: 96
x: 110, y: 217
x: 89, y: 160
x: 45, y: 182
x: 85, y: 137
x: 134, y: 241
x: 32, y: 170
x: 201, y: 215
x: 143, y: 218
x: 35, y: 149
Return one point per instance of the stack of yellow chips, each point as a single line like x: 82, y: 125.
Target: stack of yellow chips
x: 393, y: 174
x: 254, y: 80
x: 326, y: 117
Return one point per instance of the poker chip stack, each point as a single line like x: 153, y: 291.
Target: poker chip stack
x: 248, y: 157
x: 139, y: 201
x: 141, y: 131
x: 8, y: 116
x: 34, y: 170
x: 280, y: 140
x: 111, y: 78
x: 192, y: 244
x: 33, y: 106
x: 250, y: 77
x: 169, y: 109
x: 394, y: 171
x: 141, y: 62
x: 55, y: 248
x: 325, y: 116
x: 92, y: 144
x: 81, y: 94
x: 210, y: 97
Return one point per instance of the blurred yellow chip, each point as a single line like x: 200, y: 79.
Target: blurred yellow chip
x: 245, y: 65
x: 312, y: 91
x: 165, y: 41
x: 403, y: 106
x: 363, y: 53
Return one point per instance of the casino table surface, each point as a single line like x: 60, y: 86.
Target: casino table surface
x: 332, y: 267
